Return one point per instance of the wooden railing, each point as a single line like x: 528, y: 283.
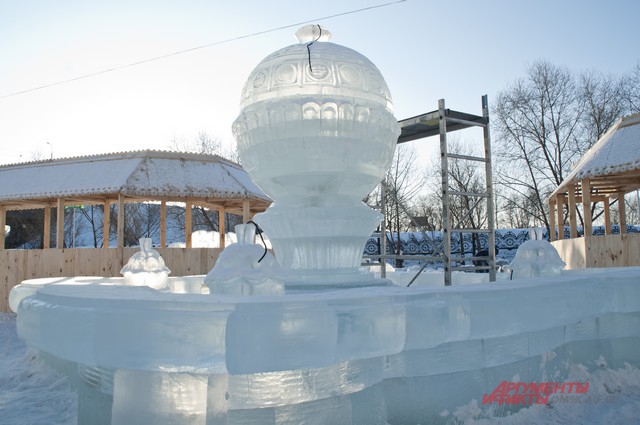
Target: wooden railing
x: 19, y: 265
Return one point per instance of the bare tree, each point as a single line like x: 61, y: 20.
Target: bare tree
x: 205, y: 144
x: 545, y: 122
x: 429, y: 208
x: 632, y: 90
x: 602, y: 101
x: 95, y: 217
x: 537, y: 122
x: 403, y: 182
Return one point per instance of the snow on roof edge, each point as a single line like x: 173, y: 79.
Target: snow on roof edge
x: 144, y: 153
x: 577, y: 173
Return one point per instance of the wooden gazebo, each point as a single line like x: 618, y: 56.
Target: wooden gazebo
x: 608, y: 171
x: 164, y: 177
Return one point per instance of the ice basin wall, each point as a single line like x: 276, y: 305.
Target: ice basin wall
x: 359, y: 356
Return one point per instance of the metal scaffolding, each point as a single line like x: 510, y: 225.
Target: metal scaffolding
x: 441, y: 122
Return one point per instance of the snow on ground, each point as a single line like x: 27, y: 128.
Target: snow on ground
x: 613, y: 398
x: 32, y: 394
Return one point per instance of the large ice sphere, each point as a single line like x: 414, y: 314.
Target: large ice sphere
x: 316, y: 132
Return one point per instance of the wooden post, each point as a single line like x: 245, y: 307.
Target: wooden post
x: 623, y: 213
x: 246, y: 211
x: 187, y: 223
x: 163, y: 223
x: 46, y: 231
x: 3, y: 223
x: 106, y: 223
x: 489, y: 185
x: 60, y: 223
x: 120, y: 224
x: 221, y: 227
x: 559, y: 203
x: 586, y: 207
x: 444, y: 175
x: 573, y: 226
x: 552, y: 221
x: 607, y: 217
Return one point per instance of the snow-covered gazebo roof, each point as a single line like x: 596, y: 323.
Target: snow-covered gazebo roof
x: 610, y: 169
x: 209, y: 181
x: 612, y: 165
x: 149, y: 174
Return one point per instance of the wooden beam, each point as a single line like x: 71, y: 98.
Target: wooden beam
x: 221, y: 227
x: 210, y: 205
x: 622, y: 209
x: 3, y: 223
x: 573, y: 227
x: 246, y: 211
x: 594, y: 198
x: 120, y: 224
x: 607, y: 217
x: 187, y: 223
x: 106, y: 223
x: 60, y: 223
x: 46, y: 231
x: 586, y: 207
x: 559, y: 204
x: 552, y: 220
x: 163, y: 223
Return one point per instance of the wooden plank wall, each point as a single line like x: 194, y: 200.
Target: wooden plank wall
x: 613, y: 250
x: 19, y: 265
x: 572, y: 252
x: 600, y: 251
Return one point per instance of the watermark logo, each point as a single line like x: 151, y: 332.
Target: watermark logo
x: 543, y: 393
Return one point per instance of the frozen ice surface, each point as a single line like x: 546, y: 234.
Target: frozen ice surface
x: 146, y: 268
x: 536, y: 258
x: 366, y: 353
x: 245, y: 268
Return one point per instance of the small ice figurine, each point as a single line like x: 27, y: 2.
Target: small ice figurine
x: 536, y: 258
x: 245, y: 268
x: 146, y: 268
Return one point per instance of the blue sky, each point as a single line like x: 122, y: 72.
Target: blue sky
x: 426, y: 51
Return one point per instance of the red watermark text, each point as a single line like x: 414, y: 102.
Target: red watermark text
x: 538, y: 393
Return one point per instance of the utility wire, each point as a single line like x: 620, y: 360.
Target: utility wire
x: 217, y: 43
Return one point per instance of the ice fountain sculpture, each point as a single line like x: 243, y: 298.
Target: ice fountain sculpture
x: 317, y: 133
x: 146, y: 268
x: 245, y: 268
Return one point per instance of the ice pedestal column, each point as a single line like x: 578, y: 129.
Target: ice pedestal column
x: 319, y: 234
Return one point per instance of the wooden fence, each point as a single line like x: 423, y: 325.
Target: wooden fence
x: 19, y: 265
x: 600, y: 251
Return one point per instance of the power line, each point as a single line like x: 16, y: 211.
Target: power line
x: 217, y: 43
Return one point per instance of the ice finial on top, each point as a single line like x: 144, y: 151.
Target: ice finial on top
x: 312, y: 33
